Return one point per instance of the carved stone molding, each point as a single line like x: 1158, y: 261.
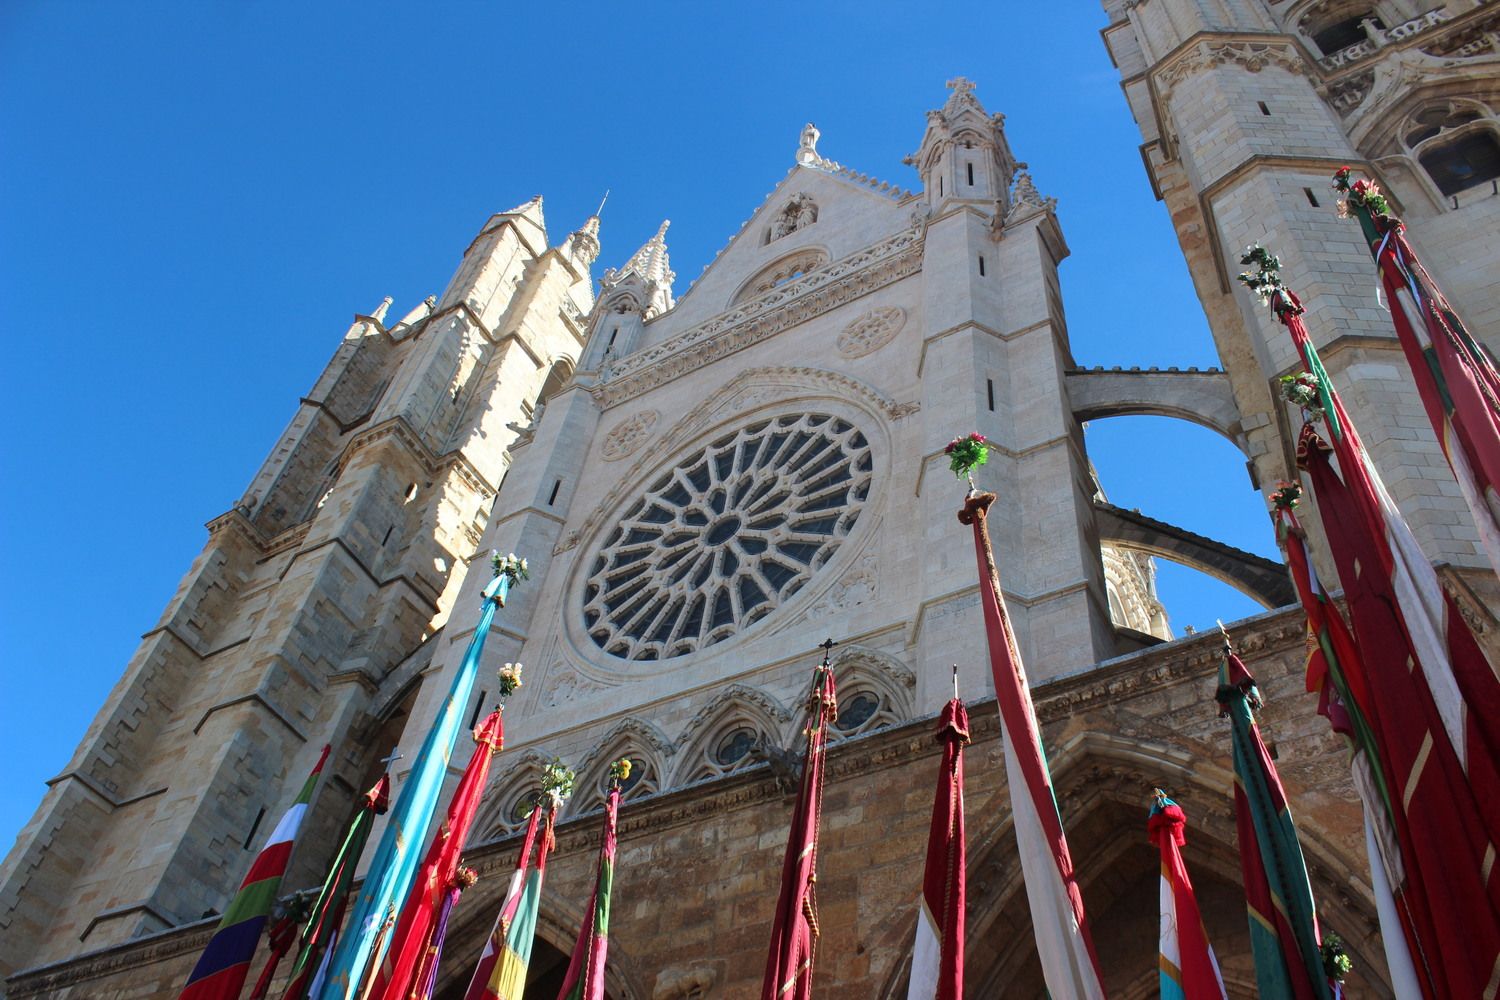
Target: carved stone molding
x: 735, y: 694
x: 627, y: 438
x: 869, y: 332
x: 788, y: 305
x: 1251, y: 54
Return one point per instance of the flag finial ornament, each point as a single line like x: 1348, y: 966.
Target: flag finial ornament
x: 1287, y: 495
x: 558, y: 780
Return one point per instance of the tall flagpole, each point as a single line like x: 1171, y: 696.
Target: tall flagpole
x: 394, y: 865
x: 1057, y: 915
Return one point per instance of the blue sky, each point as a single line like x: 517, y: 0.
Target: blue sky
x: 196, y: 197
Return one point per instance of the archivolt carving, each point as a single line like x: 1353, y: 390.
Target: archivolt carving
x: 635, y: 738
x: 740, y: 708
x: 870, y: 331
x: 628, y: 436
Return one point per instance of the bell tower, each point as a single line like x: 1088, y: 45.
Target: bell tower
x: 304, y: 620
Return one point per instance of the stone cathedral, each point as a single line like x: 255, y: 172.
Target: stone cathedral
x: 708, y: 481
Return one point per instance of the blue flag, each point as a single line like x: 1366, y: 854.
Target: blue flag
x: 395, y: 862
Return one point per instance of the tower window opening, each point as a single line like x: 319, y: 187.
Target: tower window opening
x: 971, y: 174
x: 250, y: 837
x: 1312, y: 199
x: 478, y: 707
x: 1466, y: 162
x: 981, y: 265
x: 387, y: 535
x: 940, y: 187
x: 1263, y: 109
x: 989, y: 385
x: 1350, y: 31
x: 612, y: 335
x: 411, y: 492
x: 552, y: 499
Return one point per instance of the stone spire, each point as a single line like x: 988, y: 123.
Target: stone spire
x: 379, y: 314
x: 650, y: 269
x: 582, y: 245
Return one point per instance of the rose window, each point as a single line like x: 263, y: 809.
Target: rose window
x: 722, y: 540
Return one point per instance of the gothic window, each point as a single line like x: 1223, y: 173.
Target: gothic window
x: 719, y: 542
x: 734, y: 747
x: 861, y: 711
x: 781, y: 272
x: 1457, y: 143
x: 1343, y: 33
x: 1466, y: 162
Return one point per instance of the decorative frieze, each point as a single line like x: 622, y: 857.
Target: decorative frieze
x: 783, y: 307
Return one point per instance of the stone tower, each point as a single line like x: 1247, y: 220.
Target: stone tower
x: 1246, y: 108
x: 303, y: 620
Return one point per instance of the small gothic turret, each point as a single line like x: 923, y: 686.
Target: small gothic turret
x: 964, y: 155
x: 650, y: 272
x: 379, y: 314
x: 582, y: 245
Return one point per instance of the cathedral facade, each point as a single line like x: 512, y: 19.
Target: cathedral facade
x: 709, y: 482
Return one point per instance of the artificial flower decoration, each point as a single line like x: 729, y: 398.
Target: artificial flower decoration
x: 1286, y: 495
x: 1303, y: 390
x: 509, y: 565
x: 510, y: 679
x: 1363, y: 194
x: 966, y: 454
x: 1336, y: 962
x: 558, y: 780
x: 619, y: 771
x: 465, y: 877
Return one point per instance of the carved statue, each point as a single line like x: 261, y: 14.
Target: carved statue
x: 786, y: 765
x: 807, y: 212
x: 807, y: 148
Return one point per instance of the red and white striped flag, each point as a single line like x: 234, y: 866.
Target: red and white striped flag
x: 937, y: 955
x: 1057, y: 917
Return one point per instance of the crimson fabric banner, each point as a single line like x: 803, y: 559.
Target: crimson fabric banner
x: 937, y: 957
x: 794, y: 932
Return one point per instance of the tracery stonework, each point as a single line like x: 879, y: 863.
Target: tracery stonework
x: 871, y: 331
x: 627, y: 438
x: 722, y: 539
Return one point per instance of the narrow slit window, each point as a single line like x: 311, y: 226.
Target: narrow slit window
x: 387, y: 535
x: 971, y: 174
x: 612, y: 335
x: 250, y: 837
x: 1263, y: 109
x: 478, y: 707
x: 557, y: 485
x: 981, y: 265
x: 940, y: 187
x: 1312, y: 199
x: 989, y: 385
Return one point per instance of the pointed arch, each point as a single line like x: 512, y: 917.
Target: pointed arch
x: 738, y: 709
x: 875, y: 690
x: 516, y: 784
x: 648, y: 749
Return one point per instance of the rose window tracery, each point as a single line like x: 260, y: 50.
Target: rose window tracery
x: 723, y: 539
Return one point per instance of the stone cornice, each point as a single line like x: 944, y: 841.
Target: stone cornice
x: 797, y: 301
x: 56, y: 977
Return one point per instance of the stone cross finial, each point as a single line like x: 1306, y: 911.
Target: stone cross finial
x: 961, y: 86
x: 394, y: 756
x: 807, y: 148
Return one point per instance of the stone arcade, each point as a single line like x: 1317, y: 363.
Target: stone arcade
x: 717, y: 480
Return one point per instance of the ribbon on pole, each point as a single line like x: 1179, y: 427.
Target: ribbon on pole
x: 937, y: 956
x: 794, y: 932
x: 393, y: 868
x: 1189, y: 970
x: 1284, y: 937
x: 585, y: 976
x: 1057, y: 915
x: 501, y: 972
x: 400, y: 977
x: 328, y: 909
x: 225, y: 963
